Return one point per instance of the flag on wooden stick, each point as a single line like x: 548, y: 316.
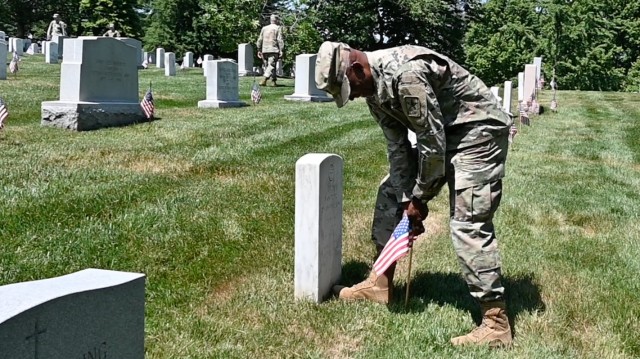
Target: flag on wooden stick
x: 398, y: 245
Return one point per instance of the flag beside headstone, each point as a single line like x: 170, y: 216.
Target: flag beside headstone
x: 396, y: 248
x: 147, y: 104
x: 4, y: 112
x: 256, y: 94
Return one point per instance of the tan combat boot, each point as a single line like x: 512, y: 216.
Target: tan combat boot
x: 274, y: 83
x: 494, y: 330
x: 376, y: 288
x: 263, y: 82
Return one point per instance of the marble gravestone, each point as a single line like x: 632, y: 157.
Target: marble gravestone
x: 520, y: 86
x: 137, y: 44
x: 279, y: 68
x: 538, y: 62
x: 51, y: 52
x: 318, y: 225
x: 245, y: 60
x: 222, y: 85
x: 305, y: 83
x: 59, y: 41
x: 150, y: 57
x: 506, y: 96
x: 169, y: 64
x: 495, y: 90
x: 33, y: 49
x: 3, y: 55
x: 529, y: 91
x: 92, y: 313
x: 17, y: 45
x: 98, y: 86
x: 160, y: 58
x: 204, y: 63
x: 187, y: 60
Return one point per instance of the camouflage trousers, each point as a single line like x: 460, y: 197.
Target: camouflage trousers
x: 471, y: 212
x: 270, y: 60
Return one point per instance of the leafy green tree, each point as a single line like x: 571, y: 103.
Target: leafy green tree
x: 98, y: 14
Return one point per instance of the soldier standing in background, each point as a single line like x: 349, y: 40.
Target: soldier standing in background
x: 56, y: 28
x: 270, y: 45
x: 112, y: 32
x: 462, y: 140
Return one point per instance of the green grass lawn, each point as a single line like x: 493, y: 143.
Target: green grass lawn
x: 202, y: 202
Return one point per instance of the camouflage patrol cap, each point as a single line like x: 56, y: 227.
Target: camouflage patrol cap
x: 331, y: 65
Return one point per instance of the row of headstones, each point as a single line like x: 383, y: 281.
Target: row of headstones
x: 99, y: 85
x: 529, y: 83
x: 245, y: 61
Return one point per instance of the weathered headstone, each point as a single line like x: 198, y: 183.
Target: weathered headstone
x: 3, y: 55
x: 93, y: 313
x: 137, y: 44
x: 33, y: 49
x: 169, y: 64
x: 160, y: 58
x: 318, y: 225
x: 51, y: 52
x: 538, y: 62
x: 245, y: 60
x: 506, y: 96
x: 98, y: 86
x: 305, y: 84
x: 187, y: 60
x: 222, y: 85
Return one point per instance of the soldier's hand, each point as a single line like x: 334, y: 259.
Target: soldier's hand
x: 280, y: 54
x: 417, y: 212
x: 259, y: 54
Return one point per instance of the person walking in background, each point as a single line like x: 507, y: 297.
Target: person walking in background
x: 270, y: 46
x: 56, y: 28
x: 462, y: 140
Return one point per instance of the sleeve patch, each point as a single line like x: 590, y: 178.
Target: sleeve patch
x: 412, y: 104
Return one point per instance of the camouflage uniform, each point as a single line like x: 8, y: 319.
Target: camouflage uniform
x: 56, y: 28
x: 112, y: 33
x: 461, y: 140
x: 271, y: 44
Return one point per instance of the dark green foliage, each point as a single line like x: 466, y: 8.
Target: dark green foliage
x: 98, y: 14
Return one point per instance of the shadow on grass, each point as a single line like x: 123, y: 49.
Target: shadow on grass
x: 522, y: 293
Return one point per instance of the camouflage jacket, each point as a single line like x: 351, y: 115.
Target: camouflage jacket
x: 270, y: 39
x: 56, y: 29
x: 448, y: 108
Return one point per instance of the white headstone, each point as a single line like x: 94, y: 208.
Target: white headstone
x: 3, y: 36
x: 93, y: 313
x: 10, y: 43
x: 318, y: 225
x: 33, y: 49
x: 98, y: 86
x: 51, y: 53
x: 279, y: 68
x: 495, y: 90
x: 17, y: 46
x: 520, y: 86
x: 222, y: 85
x: 3, y: 55
x: 529, y: 82
x: 506, y: 96
x: 169, y: 64
x: 150, y: 57
x: 59, y: 39
x: 305, y: 83
x: 187, y: 61
x: 204, y: 63
x: 538, y: 62
x: 245, y: 60
x: 208, y: 58
x: 160, y: 58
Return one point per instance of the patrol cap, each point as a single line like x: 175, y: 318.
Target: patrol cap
x: 331, y: 66
x: 55, y: 16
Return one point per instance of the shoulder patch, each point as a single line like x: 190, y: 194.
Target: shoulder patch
x: 412, y: 104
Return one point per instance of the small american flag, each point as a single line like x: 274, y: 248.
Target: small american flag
x: 147, y: 104
x: 524, y: 118
x: 513, y: 131
x: 398, y: 245
x: 199, y: 61
x: 4, y: 113
x: 256, y: 95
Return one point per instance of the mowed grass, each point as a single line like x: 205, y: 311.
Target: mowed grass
x: 202, y: 202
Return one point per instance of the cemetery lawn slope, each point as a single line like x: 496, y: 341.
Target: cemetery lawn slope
x: 202, y: 202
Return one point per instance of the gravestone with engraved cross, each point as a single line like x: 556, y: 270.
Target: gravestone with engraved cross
x: 91, y: 314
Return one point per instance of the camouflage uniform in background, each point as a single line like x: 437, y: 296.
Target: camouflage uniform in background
x: 271, y: 44
x: 56, y: 28
x: 461, y: 140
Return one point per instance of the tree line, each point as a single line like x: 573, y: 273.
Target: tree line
x: 586, y: 44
